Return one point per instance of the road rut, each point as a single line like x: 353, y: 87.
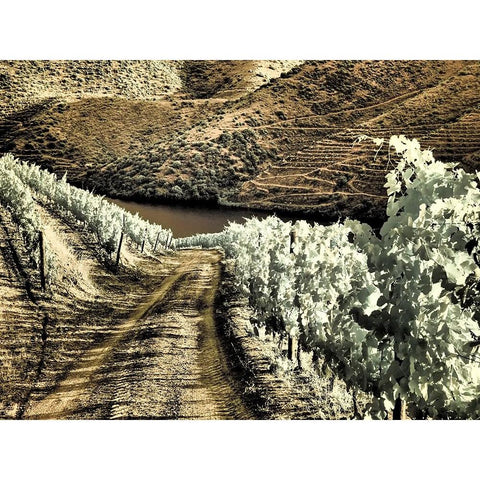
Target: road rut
x: 165, y: 360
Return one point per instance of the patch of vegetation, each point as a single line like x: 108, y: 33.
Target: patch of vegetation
x: 202, y: 171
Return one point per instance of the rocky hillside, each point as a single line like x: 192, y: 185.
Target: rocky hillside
x: 264, y: 134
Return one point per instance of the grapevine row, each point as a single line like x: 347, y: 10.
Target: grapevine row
x: 396, y: 315
x: 18, y: 198
x: 106, y: 220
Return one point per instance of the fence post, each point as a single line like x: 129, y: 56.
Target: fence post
x: 399, y: 410
x: 290, y: 347
x: 42, y: 260
x: 156, y: 241
x: 293, y: 239
x: 168, y: 240
x: 119, y: 248
x: 144, y: 238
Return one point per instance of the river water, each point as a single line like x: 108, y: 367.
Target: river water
x: 187, y: 220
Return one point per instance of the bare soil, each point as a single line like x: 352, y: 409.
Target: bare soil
x: 164, y: 360
x: 162, y: 338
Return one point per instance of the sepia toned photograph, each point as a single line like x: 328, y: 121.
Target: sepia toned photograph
x: 239, y: 239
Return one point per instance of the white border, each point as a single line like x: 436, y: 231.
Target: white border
x: 238, y: 449
x: 250, y: 29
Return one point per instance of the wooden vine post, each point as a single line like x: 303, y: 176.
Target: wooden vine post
x: 290, y: 345
x: 290, y: 348
x: 156, y: 241
x: 144, y: 238
x: 399, y: 410
x: 293, y: 239
x: 42, y: 260
x: 117, y: 261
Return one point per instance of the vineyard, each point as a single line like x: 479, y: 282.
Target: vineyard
x: 106, y: 221
x: 395, y: 313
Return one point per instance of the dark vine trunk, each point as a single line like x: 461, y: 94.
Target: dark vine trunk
x: 397, y: 410
x: 290, y: 348
x: 299, y: 352
x: 42, y: 260
x: 118, y: 251
x: 156, y: 242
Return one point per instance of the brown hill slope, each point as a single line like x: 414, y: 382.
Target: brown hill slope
x: 24, y: 83
x: 274, y: 135
x: 319, y: 168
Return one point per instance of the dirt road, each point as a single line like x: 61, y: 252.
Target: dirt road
x: 165, y: 360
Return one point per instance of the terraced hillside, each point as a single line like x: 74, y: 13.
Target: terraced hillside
x: 321, y: 168
x: 274, y: 135
x: 347, y: 178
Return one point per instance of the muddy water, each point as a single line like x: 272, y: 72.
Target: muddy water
x: 188, y: 220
